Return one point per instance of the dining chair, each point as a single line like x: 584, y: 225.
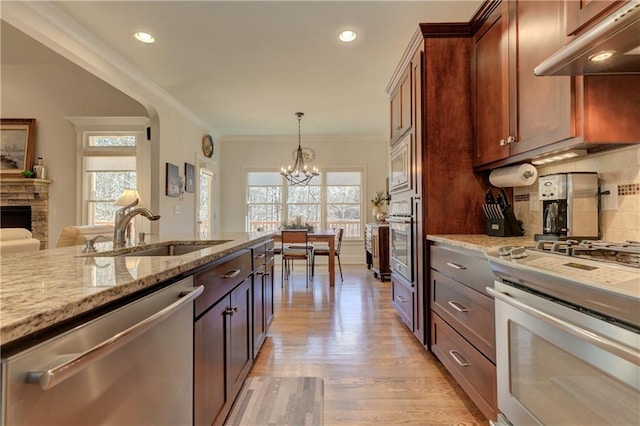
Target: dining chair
x: 322, y: 251
x: 293, y: 243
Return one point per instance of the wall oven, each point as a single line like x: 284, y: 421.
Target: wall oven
x: 401, y: 237
x: 567, y: 339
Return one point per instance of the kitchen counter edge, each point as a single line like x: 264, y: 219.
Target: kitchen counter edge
x: 480, y: 242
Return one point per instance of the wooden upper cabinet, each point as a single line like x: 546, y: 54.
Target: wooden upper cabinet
x: 581, y: 13
x: 491, y: 88
x: 516, y: 111
x: 401, y: 107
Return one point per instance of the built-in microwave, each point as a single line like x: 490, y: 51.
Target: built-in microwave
x: 400, y: 166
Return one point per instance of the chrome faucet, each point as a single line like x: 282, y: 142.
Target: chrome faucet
x: 123, y: 218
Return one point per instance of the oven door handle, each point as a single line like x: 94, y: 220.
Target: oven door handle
x: 602, y: 342
x: 399, y: 219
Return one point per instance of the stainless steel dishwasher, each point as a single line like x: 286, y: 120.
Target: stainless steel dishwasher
x: 131, y: 366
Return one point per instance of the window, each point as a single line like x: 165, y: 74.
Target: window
x: 330, y: 201
x: 109, y: 167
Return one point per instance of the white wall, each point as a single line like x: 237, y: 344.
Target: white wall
x: 49, y: 94
x: 242, y: 153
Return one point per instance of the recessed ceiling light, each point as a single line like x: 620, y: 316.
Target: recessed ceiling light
x: 602, y: 56
x: 144, y: 37
x: 347, y: 36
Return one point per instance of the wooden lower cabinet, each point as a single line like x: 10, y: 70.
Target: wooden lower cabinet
x: 472, y: 370
x: 462, y: 321
x: 222, y: 357
x: 262, y: 304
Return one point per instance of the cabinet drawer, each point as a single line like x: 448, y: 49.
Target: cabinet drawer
x: 473, y: 372
x: 469, y: 312
x: 269, y: 251
x: 259, y: 255
x: 402, y: 301
x: 467, y: 269
x: 221, y: 278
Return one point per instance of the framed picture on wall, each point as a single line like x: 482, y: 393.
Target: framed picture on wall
x: 173, y: 180
x: 189, y: 176
x: 17, y: 145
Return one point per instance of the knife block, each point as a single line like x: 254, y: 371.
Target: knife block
x: 507, y: 227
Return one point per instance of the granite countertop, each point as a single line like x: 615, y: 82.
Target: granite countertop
x: 41, y: 289
x: 481, y: 242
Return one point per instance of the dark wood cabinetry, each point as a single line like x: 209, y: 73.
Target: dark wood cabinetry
x: 518, y: 115
x: 401, y: 108
x: 580, y: 14
x: 462, y: 321
x: 232, y: 317
x: 516, y: 111
x: 445, y: 194
x: 376, y: 244
x: 262, y: 294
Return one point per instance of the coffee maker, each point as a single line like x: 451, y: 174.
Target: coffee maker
x: 569, y: 206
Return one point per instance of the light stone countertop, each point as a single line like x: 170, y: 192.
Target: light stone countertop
x: 41, y: 289
x: 481, y: 242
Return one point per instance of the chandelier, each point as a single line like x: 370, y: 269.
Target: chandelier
x: 298, y: 174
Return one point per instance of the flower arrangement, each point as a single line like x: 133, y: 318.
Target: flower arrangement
x: 380, y: 199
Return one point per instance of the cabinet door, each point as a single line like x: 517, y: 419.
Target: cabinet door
x: 268, y: 294
x: 491, y: 78
x: 401, y: 107
x: 375, y: 261
x: 239, y: 354
x: 210, y: 347
x: 258, y: 299
x: 580, y: 13
x: 544, y: 105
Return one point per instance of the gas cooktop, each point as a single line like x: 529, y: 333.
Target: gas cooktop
x: 600, y: 276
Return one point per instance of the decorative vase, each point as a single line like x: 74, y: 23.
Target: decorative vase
x: 382, y: 216
x: 375, y: 210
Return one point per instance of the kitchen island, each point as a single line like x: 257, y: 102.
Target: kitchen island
x: 45, y: 288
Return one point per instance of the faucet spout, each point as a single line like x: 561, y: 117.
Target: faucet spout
x: 124, y: 217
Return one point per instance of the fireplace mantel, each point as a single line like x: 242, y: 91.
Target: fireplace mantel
x: 29, y: 192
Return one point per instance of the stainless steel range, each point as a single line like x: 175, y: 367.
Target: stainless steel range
x: 568, y: 332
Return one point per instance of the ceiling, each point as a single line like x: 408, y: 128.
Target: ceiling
x: 246, y: 67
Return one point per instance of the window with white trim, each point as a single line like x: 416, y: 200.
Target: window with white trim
x: 109, y: 166
x: 332, y: 200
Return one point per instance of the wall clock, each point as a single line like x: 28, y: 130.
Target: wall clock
x: 207, y: 146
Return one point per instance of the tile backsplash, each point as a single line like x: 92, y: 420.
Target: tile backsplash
x: 620, y: 167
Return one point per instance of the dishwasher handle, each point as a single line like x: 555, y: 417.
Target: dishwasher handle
x: 56, y: 375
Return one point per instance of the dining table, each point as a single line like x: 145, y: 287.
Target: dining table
x: 321, y: 236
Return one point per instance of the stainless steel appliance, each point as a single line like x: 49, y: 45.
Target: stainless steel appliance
x: 401, y: 237
x: 400, y: 166
x: 131, y: 366
x: 617, y: 36
x: 569, y: 205
x: 568, y: 333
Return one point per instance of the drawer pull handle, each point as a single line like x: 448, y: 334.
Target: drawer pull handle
x: 401, y: 299
x: 260, y: 273
x: 232, y: 274
x: 456, y: 266
x: 458, y: 307
x: 230, y: 311
x: 259, y: 256
x: 458, y: 358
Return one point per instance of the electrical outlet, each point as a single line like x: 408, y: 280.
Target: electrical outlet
x: 609, y: 202
x: 177, y: 209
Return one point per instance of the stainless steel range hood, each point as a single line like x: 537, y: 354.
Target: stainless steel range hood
x: 618, y: 34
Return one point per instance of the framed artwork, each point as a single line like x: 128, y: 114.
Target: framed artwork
x: 17, y: 145
x: 207, y: 146
x: 189, y: 176
x: 173, y: 180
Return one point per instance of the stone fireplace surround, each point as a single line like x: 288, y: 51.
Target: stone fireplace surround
x: 29, y: 192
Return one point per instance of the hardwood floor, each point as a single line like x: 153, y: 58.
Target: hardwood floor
x: 374, y: 370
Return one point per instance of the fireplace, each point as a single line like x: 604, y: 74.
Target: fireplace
x: 19, y: 194
x: 15, y: 217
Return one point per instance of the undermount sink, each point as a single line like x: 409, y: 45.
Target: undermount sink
x: 173, y: 248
